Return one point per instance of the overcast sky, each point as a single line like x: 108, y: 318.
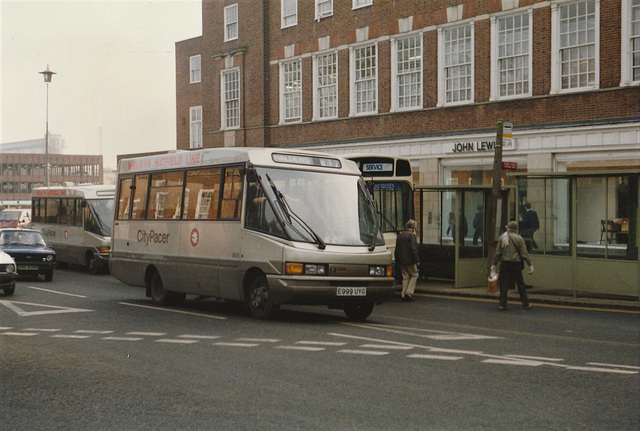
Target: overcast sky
x: 114, y: 91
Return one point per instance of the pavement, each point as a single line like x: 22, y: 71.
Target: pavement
x: 537, y: 295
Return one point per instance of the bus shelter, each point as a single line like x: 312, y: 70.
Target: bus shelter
x: 587, y: 238
x: 451, y: 226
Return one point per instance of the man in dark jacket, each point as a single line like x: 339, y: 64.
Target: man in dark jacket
x: 406, y: 255
x: 529, y: 225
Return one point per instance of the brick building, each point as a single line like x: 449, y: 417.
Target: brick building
x: 20, y: 173
x: 427, y: 80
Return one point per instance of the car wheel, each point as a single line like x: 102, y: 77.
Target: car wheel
x: 9, y: 290
x: 358, y: 311
x: 259, y: 299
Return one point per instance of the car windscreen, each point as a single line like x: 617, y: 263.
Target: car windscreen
x: 20, y: 237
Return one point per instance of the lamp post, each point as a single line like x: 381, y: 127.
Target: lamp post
x: 47, y: 74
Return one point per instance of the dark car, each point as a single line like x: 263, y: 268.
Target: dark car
x: 29, y: 251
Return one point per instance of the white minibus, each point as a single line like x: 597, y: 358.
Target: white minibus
x: 76, y: 222
x: 265, y: 227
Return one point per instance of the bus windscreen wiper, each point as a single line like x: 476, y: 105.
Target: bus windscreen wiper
x: 293, y: 216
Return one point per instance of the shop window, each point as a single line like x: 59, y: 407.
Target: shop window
x: 605, y: 222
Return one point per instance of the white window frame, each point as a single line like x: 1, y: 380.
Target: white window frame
x: 228, y: 121
x: 443, y: 84
x: 495, y: 57
x: 357, y: 4
x: 395, y: 74
x: 195, y: 69
x: 231, y: 27
x: 291, y: 91
x: 289, y: 17
x: 556, y: 49
x: 195, y: 127
x: 355, y: 82
x: 319, y: 87
x: 326, y: 13
x: 627, y: 44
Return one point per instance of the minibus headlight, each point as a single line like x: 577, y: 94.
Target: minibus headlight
x: 293, y: 268
x: 379, y: 271
x: 315, y: 269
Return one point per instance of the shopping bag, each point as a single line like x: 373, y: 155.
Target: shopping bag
x: 492, y: 282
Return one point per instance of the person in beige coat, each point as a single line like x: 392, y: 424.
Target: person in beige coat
x: 509, y: 258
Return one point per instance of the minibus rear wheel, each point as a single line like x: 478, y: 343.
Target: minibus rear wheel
x: 259, y: 299
x: 358, y: 311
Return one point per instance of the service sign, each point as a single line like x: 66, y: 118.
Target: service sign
x: 377, y: 167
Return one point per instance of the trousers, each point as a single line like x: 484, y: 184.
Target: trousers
x: 409, y: 279
x: 510, y: 273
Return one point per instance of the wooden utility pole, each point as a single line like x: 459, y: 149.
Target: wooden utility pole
x: 493, y: 220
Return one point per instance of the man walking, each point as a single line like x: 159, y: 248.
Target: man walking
x: 406, y: 255
x: 511, y: 253
x: 529, y: 225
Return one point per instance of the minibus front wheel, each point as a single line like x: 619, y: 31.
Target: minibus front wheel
x: 160, y: 295
x: 259, y: 299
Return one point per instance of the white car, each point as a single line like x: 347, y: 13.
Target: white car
x: 8, y: 273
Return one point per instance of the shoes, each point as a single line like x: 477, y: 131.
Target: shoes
x: 526, y: 307
x: 501, y: 308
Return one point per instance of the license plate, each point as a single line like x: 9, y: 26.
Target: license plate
x: 27, y: 268
x: 352, y: 291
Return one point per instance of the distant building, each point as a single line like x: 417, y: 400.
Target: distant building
x: 21, y: 171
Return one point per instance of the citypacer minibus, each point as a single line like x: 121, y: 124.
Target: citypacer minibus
x: 76, y: 222
x: 263, y: 226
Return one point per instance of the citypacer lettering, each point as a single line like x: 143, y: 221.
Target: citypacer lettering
x: 148, y: 237
x: 467, y: 147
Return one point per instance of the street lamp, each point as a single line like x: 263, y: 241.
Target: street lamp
x: 47, y: 74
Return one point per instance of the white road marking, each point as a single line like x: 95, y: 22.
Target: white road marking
x: 364, y: 352
x: 50, y: 309
x: 303, y: 348
x: 200, y: 337
x: 5, y: 328
x: 534, y: 358
x: 387, y: 346
x: 321, y: 343
x: 260, y: 340
x: 70, y: 336
x: 121, y: 338
x: 175, y: 341
x: 173, y: 311
x: 602, y: 370
x: 41, y: 330
x: 147, y: 334
x: 236, y: 344
x: 439, y: 357
x: 56, y: 291
x: 508, y: 361
x: 431, y: 334
x: 86, y: 331
x: 21, y: 334
x: 613, y: 365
